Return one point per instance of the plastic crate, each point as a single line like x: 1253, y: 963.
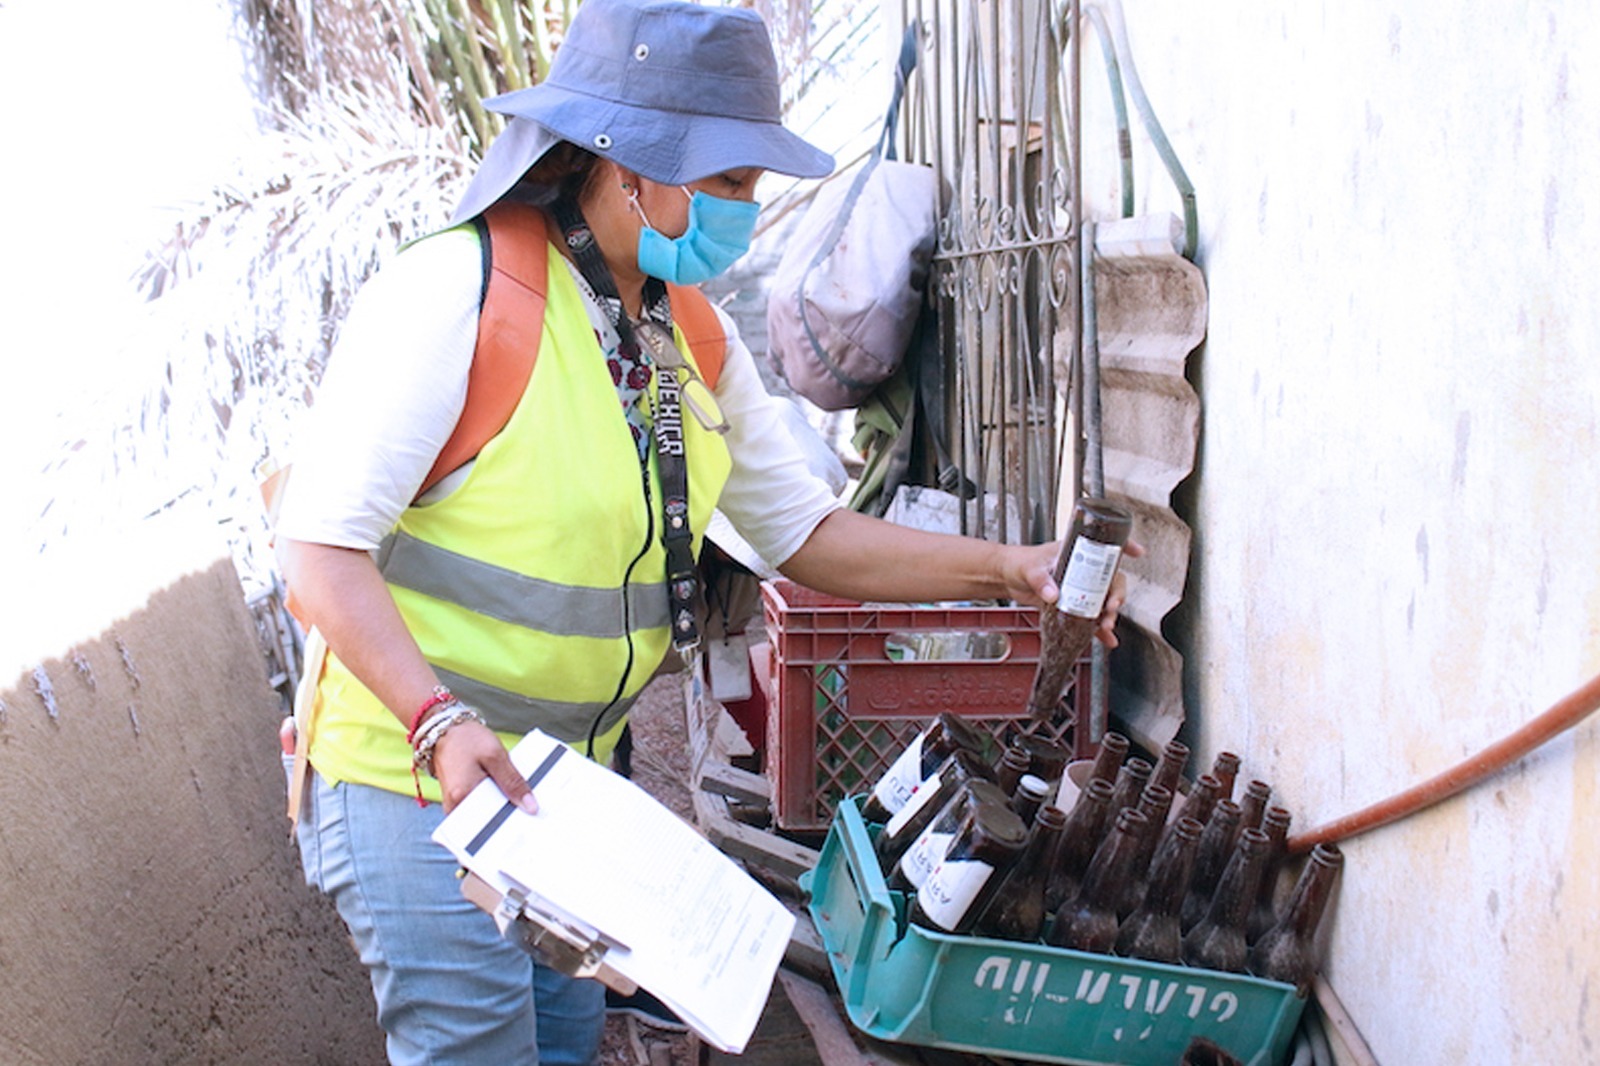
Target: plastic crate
x: 843, y: 702
x: 901, y: 982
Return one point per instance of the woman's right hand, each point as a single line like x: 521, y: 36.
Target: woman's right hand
x: 467, y: 753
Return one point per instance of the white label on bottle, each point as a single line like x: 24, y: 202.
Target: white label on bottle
x: 920, y: 797
x: 1088, y: 577
x: 952, y: 886
x: 901, y: 779
x: 924, y: 854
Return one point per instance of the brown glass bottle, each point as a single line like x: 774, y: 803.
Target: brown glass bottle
x: 1017, y: 910
x: 1083, y: 571
x: 1108, y: 758
x: 1275, y: 823
x: 1088, y: 921
x: 1131, y: 779
x: 1253, y: 804
x: 1009, y: 770
x: 958, y: 889
x: 1085, y: 826
x: 1225, y: 769
x: 918, y: 761
x: 1046, y: 758
x: 1217, y: 942
x: 931, y: 844
x: 1030, y: 795
x: 1152, y: 931
x: 1201, y: 799
x: 1154, y: 802
x: 1170, y: 764
x: 1288, y: 952
x: 929, y: 798
x: 1216, y: 844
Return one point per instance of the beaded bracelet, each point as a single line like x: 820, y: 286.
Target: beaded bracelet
x: 428, y: 738
x: 441, y: 696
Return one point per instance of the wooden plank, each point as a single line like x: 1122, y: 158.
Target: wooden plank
x: 835, y: 1041
x: 738, y: 785
x: 768, y: 850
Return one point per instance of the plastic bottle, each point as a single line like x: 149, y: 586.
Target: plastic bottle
x: 1153, y: 930
x: 1083, y: 571
x: 1217, y: 942
x: 1288, y: 952
x: 1088, y: 921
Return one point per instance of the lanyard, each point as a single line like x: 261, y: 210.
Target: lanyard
x: 683, y: 583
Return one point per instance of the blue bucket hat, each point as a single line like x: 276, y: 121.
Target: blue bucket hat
x: 672, y: 91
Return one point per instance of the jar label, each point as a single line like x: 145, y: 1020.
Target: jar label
x: 924, y: 854
x: 950, y: 890
x: 1088, y: 578
x: 901, y: 779
x: 920, y: 797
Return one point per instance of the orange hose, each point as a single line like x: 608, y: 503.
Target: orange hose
x: 1563, y: 715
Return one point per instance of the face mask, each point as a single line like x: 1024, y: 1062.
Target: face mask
x: 719, y: 233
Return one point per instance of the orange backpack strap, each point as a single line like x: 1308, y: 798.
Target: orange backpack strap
x: 702, y: 329
x: 510, y: 324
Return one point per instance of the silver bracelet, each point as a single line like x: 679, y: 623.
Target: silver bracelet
x: 435, y: 727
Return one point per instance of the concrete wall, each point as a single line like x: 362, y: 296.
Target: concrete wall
x: 1396, y: 558
x: 151, y: 905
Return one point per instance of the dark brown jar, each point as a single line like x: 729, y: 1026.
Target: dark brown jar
x: 1153, y: 930
x: 958, y: 889
x: 928, y: 799
x: 1088, y: 922
x: 1017, y: 910
x: 1217, y: 942
x: 1216, y: 845
x: 1085, y: 826
x: 931, y: 844
x: 1046, y: 758
x: 1288, y: 952
x: 917, y: 762
x: 1088, y: 559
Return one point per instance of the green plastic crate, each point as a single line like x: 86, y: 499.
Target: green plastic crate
x: 903, y: 983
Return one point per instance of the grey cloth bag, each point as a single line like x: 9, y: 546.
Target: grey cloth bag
x: 849, y: 287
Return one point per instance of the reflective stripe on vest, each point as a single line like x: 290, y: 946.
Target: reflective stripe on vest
x: 513, y: 584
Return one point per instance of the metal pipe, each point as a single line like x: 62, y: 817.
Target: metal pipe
x: 1563, y: 715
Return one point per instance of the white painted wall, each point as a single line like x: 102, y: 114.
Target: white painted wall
x: 1397, y: 553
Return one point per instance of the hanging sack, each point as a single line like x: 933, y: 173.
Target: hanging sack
x: 847, y: 292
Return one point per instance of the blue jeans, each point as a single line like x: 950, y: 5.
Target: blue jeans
x: 449, y: 988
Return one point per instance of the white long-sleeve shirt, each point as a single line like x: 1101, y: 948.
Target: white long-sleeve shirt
x: 396, y: 384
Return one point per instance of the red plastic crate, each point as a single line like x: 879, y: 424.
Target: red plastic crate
x: 842, y: 706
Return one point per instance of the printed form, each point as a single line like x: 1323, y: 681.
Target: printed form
x: 684, y: 920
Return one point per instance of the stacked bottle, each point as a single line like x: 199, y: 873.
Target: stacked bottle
x: 1135, y: 867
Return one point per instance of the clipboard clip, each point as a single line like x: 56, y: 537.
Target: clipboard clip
x: 548, y: 933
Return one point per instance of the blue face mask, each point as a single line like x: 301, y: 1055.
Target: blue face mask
x: 719, y: 233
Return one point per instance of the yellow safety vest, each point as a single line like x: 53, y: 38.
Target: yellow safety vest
x: 537, y: 587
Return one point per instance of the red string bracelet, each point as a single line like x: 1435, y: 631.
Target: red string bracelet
x: 441, y: 695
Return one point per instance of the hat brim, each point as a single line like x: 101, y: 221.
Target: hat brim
x: 671, y: 147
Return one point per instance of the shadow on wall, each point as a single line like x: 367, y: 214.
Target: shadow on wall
x: 152, y: 908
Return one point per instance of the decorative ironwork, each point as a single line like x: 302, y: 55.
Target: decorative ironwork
x: 993, y: 108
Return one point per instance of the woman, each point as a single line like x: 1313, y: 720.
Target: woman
x: 532, y: 586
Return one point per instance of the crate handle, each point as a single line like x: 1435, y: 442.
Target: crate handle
x: 947, y: 646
